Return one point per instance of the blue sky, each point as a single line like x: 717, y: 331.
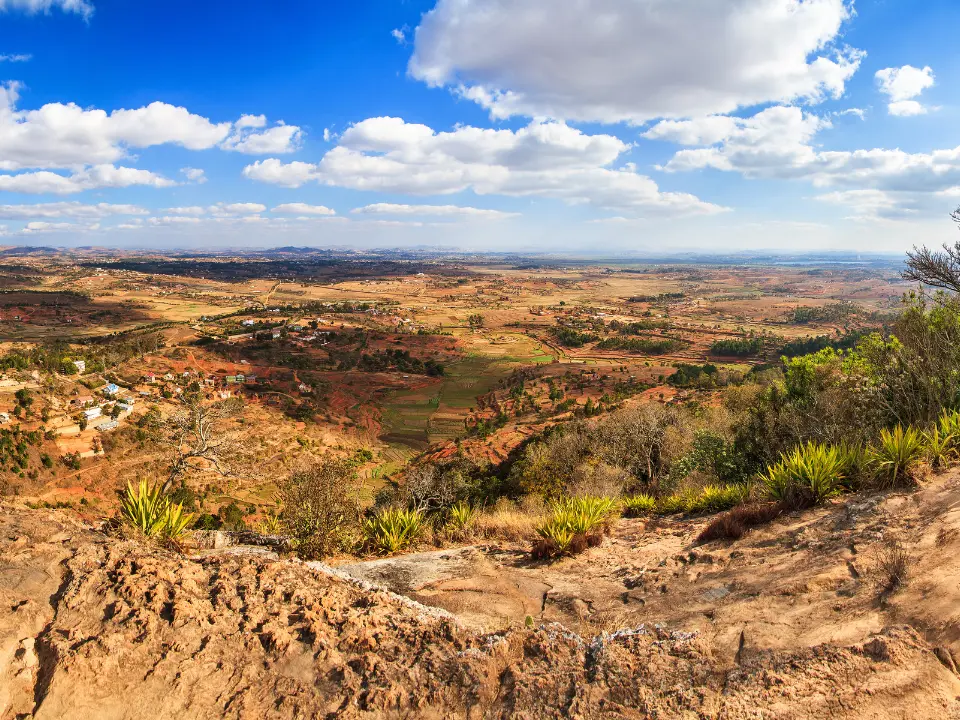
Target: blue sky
x: 601, y: 125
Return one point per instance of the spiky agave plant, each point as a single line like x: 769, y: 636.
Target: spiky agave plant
x: 940, y: 447
x: 808, y: 475
x: 896, y: 453
x: 639, y: 505
x: 460, y: 517
x: 150, y: 510
x: 392, y: 530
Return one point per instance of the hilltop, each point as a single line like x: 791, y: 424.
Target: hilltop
x: 789, y: 622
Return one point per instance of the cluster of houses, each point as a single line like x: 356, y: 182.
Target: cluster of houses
x: 92, y: 409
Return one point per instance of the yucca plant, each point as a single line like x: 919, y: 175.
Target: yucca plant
x: 680, y: 502
x: 716, y: 498
x: 639, y: 505
x: 270, y: 525
x: 853, y: 461
x: 557, y: 535
x: 392, y: 530
x: 575, y: 524
x: 896, y: 453
x: 151, y: 512
x: 808, y: 475
x: 460, y: 517
x: 949, y: 424
x: 940, y: 447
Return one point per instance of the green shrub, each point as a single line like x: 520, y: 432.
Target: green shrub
x: 151, y: 512
x: 807, y: 476
x: 317, y: 509
x: 392, y: 530
x: 639, y: 505
x: 896, y: 454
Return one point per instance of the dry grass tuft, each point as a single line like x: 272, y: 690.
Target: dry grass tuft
x: 892, y: 566
x: 734, y: 524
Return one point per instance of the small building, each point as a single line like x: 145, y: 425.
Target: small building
x: 82, y: 400
x: 108, y: 426
x: 111, y: 389
x: 4, y: 418
x: 231, y: 379
x: 303, y: 387
x: 276, y: 334
x: 80, y: 365
x: 251, y: 378
x: 150, y: 378
x: 248, y: 323
x: 125, y: 408
x: 91, y: 413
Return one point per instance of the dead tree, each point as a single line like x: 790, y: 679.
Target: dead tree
x: 936, y: 268
x: 199, y: 439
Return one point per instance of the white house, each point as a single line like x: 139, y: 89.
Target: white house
x: 80, y: 365
x: 91, y: 413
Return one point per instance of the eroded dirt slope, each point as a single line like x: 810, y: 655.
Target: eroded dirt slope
x: 95, y: 627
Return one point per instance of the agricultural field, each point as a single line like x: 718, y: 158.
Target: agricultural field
x: 381, y: 360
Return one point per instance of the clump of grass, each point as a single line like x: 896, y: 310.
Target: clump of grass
x: 392, y: 530
x: 639, y: 505
x: 807, y: 476
x: 735, y: 523
x: 575, y: 525
x: 896, y: 455
x: 150, y: 511
x: 892, y: 565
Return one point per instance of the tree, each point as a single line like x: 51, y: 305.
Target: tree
x: 476, y: 320
x: 939, y: 269
x: 199, y: 437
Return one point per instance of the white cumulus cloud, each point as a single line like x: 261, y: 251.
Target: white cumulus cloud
x: 634, y: 60
x: 451, y: 211
x: 92, y: 178
x: 543, y: 159
x: 901, y: 85
x: 303, y: 209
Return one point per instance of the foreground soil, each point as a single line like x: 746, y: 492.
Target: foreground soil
x: 785, y: 623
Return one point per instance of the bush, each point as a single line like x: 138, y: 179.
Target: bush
x: 734, y: 524
x: 317, y: 510
x: 807, y: 476
x: 639, y: 505
x: 152, y: 513
x: 392, y: 530
x: 896, y: 455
